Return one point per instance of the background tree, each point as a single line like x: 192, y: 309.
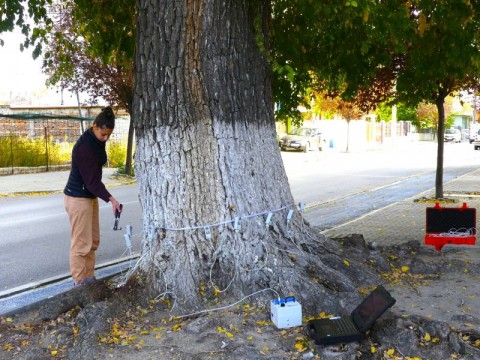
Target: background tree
x: 404, y: 112
x: 325, y: 106
x: 334, y: 106
x: 427, y: 116
x: 442, y: 58
x: 349, y: 111
x: 81, y: 66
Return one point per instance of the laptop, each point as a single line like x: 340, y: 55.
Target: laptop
x: 342, y: 329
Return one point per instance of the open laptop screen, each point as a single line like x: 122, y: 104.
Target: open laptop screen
x: 372, y: 308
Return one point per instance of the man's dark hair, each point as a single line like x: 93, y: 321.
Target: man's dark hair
x: 106, y: 119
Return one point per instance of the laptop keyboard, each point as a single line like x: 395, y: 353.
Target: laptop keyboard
x: 345, y: 325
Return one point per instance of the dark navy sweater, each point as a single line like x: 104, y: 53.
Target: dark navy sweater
x: 88, y: 158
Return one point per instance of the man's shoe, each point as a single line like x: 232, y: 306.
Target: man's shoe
x: 85, y: 281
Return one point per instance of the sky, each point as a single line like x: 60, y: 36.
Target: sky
x: 21, y: 79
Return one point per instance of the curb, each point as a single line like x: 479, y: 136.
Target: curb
x: 29, y: 296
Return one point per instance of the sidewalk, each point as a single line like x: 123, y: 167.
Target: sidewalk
x: 406, y: 220
x: 23, y: 184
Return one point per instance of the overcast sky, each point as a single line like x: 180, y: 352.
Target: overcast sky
x: 18, y: 70
x: 21, y: 75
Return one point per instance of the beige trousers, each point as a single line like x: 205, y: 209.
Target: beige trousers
x: 85, y: 236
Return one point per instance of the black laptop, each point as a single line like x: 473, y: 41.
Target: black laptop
x: 342, y: 329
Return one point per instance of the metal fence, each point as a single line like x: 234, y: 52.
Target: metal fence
x: 45, y: 143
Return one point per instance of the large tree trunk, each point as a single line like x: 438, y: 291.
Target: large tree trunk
x: 207, y: 154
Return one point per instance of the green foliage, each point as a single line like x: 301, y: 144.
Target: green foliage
x: 443, y: 54
x: 117, y: 153
x: 404, y: 112
x: 19, y: 151
x: 345, y: 48
x: 108, y: 28
x: 16, y: 13
x: 449, y: 121
x: 384, y: 112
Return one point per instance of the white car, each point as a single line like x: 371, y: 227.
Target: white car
x: 474, y: 136
x: 453, y: 135
x: 476, y: 140
x: 304, y: 139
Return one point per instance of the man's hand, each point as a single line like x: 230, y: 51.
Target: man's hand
x: 115, y: 205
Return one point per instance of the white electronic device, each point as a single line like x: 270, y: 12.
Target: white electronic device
x: 286, y: 313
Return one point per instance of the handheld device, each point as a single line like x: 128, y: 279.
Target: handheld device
x: 117, y: 219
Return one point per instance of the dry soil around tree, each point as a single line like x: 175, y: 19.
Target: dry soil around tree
x: 436, y: 316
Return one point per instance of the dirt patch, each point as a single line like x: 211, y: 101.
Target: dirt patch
x: 436, y: 316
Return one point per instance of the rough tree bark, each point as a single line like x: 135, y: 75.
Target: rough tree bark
x: 439, y: 102
x: 206, y: 154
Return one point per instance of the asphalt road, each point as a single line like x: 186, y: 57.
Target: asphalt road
x: 35, y: 235
x: 34, y: 231
x: 318, y: 178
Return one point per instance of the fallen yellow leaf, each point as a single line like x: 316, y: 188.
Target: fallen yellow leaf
x: 262, y: 322
x: 346, y: 262
x: 223, y: 331
x: 299, y: 346
x: 25, y: 343
x: 427, y: 337
x: 373, y: 349
x: 405, y: 268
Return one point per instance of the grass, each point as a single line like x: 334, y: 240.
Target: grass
x: 24, y: 152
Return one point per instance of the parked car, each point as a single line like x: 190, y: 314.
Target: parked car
x: 475, y: 139
x: 474, y: 135
x: 303, y: 138
x: 453, y: 135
